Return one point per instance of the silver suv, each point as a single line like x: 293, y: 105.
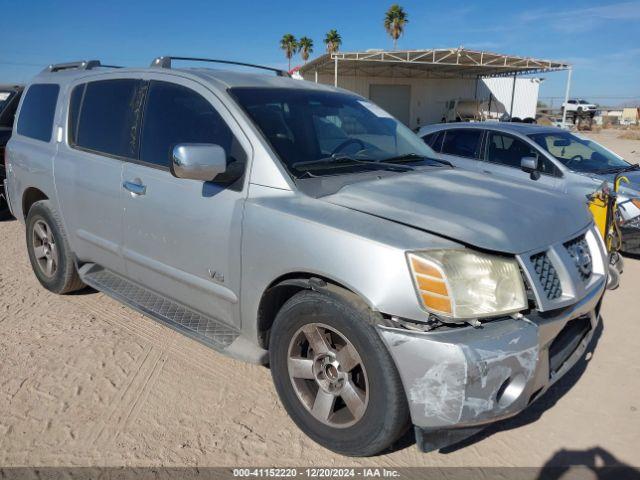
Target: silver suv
x: 300, y: 226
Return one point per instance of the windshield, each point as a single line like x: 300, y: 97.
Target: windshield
x: 329, y: 133
x: 578, y: 153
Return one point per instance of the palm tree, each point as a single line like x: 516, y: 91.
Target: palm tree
x: 305, y: 45
x: 290, y: 46
x: 332, y: 40
x: 394, y: 22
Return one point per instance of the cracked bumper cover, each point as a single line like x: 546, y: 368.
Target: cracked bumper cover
x: 460, y: 379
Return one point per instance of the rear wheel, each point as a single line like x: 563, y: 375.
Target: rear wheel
x: 334, y: 375
x: 49, y: 252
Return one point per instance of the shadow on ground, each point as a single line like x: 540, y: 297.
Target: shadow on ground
x: 594, y: 463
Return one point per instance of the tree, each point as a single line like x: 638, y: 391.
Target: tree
x: 394, y: 22
x: 290, y: 46
x: 305, y: 45
x: 332, y: 40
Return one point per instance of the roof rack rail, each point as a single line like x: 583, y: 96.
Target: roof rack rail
x: 165, y: 62
x: 80, y: 65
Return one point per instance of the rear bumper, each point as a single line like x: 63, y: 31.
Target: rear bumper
x: 459, y: 380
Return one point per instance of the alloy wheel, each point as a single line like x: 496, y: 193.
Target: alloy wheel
x: 44, y: 248
x: 328, y: 375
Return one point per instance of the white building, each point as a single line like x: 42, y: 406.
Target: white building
x: 416, y: 85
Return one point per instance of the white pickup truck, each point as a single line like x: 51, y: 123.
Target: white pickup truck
x: 580, y: 107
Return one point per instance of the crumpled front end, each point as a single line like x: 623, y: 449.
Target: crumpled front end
x: 458, y: 379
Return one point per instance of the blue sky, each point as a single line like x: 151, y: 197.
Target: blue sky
x: 599, y: 38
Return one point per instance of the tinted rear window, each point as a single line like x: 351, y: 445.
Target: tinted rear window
x: 463, y: 142
x: 108, y: 117
x: 37, y: 112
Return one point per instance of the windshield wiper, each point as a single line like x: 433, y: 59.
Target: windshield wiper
x: 633, y: 166
x: 412, y: 157
x: 345, y: 161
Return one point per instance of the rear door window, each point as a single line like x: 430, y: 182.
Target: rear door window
x: 176, y: 114
x: 108, y: 118
x: 462, y: 142
x: 38, y: 110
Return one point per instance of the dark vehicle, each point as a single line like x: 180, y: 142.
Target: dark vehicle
x: 9, y: 99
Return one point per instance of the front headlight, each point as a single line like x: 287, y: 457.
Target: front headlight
x: 462, y: 284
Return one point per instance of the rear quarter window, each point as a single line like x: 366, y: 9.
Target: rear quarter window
x: 462, y: 142
x: 37, y: 112
x: 434, y: 140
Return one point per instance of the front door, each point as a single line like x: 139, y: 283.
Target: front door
x: 182, y: 237
x: 503, y: 155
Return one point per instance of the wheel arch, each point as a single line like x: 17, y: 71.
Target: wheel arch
x: 30, y: 196
x: 288, y: 285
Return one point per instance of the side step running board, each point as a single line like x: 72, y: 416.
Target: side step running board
x: 207, y: 330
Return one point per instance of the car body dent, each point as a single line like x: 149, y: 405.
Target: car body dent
x: 453, y: 378
x: 508, y: 217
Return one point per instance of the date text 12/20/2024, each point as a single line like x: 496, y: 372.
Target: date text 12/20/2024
x: 315, y: 472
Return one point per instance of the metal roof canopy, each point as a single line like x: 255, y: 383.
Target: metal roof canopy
x: 434, y: 63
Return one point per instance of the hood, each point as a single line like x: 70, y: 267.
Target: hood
x: 479, y: 210
x: 633, y: 187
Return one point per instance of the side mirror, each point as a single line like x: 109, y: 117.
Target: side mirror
x: 530, y: 165
x: 198, y: 161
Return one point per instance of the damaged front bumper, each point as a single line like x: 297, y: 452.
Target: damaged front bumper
x: 630, y: 231
x: 460, y: 379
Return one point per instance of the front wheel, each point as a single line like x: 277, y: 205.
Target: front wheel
x: 334, y: 375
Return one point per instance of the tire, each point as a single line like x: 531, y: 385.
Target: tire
x: 49, y: 252
x: 381, y: 405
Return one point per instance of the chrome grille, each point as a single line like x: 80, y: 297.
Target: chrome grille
x: 579, y: 251
x: 547, y: 275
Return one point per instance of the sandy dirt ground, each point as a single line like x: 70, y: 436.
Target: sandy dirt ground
x: 87, y: 381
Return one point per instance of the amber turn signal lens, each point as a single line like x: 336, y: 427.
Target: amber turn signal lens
x: 431, y: 285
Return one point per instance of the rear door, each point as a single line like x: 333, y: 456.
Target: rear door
x: 182, y: 237
x: 101, y: 124
x: 503, y: 154
x: 461, y: 147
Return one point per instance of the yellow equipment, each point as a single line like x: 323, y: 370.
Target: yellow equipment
x: 603, y: 207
